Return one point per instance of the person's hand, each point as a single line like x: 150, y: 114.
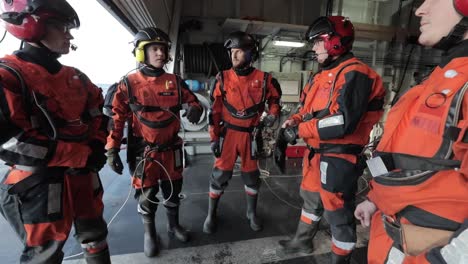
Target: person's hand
x: 279, y: 153
x: 290, y: 134
x: 193, y: 114
x: 364, y: 212
x: 289, y: 123
x: 216, y: 148
x: 269, y: 120
x: 114, y: 161
x: 97, y: 159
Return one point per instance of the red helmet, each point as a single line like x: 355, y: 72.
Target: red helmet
x: 461, y: 6
x: 336, y: 31
x: 26, y: 19
x: 457, y: 32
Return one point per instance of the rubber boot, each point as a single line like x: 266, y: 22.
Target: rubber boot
x: 302, y: 240
x: 339, y: 259
x: 209, y: 226
x: 150, y: 247
x: 101, y: 257
x: 254, y: 220
x: 173, y: 227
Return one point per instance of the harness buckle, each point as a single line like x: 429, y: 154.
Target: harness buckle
x: 390, y: 221
x: 240, y: 113
x: 75, y: 122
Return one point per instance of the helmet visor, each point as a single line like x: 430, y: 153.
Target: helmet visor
x: 321, y: 26
x: 57, y: 9
x: 240, y: 40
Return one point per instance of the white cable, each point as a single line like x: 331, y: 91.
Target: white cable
x: 139, y: 163
x: 142, y: 178
x: 110, y: 221
x: 281, y: 199
x: 47, y: 116
x: 264, y: 174
x: 144, y: 162
x: 72, y: 256
x: 162, y: 166
x: 123, y: 204
x: 283, y: 176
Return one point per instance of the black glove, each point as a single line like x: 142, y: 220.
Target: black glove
x: 216, y: 148
x: 290, y: 134
x: 279, y: 154
x: 269, y: 120
x: 193, y: 114
x: 114, y: 161
x: 97, y: 158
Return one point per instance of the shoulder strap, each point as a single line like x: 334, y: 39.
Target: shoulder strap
x: 265, y: 80
x: 26, y: 95
x: 336, y: 79
x: 131, y: 99
x: 220, y: 78
x: 137, y: 108
x: 83, y: 78
x: 325, y: 111
x: 179, y: 89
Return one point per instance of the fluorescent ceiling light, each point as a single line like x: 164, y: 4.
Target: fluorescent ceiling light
x: 288, y: 43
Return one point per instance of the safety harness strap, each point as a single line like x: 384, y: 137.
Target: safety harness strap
x: 31, y: 98
x: 170, y: 145
x: 137, y: 108
x: 337, y: 148
x: 24, y: 89
x: 249, y: 112
x: 375, y: 104
x: 238, y: 128
x: 401, y: 161
x: 431, y: 227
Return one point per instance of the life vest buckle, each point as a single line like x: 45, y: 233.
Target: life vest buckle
x: 240, y: 113
x: 75, y: 122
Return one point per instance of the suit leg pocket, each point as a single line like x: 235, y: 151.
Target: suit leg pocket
x: 42, y: 203
x: 10, y: 209
x: 338, y: 175
x: 178, y: 158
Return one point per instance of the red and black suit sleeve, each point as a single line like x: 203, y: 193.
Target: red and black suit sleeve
x: 348, y: 105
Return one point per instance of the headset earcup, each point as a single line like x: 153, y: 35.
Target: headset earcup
x: 333, y: 46
x: 140, y: 54
x: 34, y: 31
x: 461, y: 6
x: 254, y: 55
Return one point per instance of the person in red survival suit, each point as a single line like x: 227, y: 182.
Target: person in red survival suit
x: 53, y: 136
x: 238, y: 99
x: 420, y: 166
x: 340, y: 105
x: 153, y: 98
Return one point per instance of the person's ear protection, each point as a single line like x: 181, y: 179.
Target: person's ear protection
x: 139, y: 51
x: 461, y: 6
